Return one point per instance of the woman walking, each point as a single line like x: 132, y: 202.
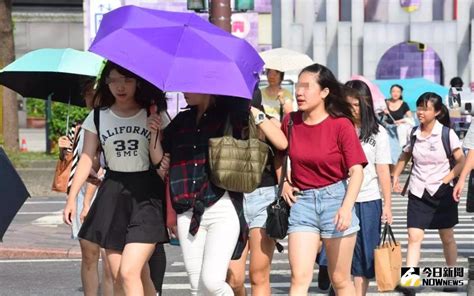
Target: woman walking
x: 210, y: 220
x: 126, y: 219
x: 398, y: 120
x: 368, y: 207
x: 276, y: 100
x: 90, y: 252
x: 321, y: 200
x: 430, y: 199
x: 260, y: 246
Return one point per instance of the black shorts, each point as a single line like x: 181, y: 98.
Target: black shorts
x: 433, y: 212
x: 129, y: 208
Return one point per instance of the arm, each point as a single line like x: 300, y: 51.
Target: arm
x: 468, y: 166
x: 91, y: 143
x: 90, y: 191
x: 272, y: 132
x: 460, y: 159
x: 402, y: 162
x: 383, y: 173
x: 343, y: 216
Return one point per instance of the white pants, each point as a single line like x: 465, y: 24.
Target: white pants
x: 207, y: 255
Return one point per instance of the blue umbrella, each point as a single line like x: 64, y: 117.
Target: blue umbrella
x: 54, y: 72
x: 413, y: 88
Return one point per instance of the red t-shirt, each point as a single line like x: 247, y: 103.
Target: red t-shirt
x: 322, y: 154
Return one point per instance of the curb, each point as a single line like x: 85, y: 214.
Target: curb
x: 30, y: 253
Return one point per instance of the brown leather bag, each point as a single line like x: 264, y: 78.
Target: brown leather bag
x: 63, y: 168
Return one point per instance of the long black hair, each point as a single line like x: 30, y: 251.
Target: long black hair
x: 399, y: 87
x: 437, y: 102
x: 368, y: 121
x: 145, y: 93
x: 335, y: 103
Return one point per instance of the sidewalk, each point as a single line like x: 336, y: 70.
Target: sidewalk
x: 39, y: 242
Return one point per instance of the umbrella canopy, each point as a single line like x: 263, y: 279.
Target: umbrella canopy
x: 377, y: 96
x: 413, y: 88
x: 178, y: 51
x: 13, y: 191
x: 47, y: 71
x: 284, y: 60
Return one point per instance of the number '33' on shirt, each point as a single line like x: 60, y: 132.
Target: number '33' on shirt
x: 125, y: 140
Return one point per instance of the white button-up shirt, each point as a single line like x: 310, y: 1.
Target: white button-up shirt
x: 430, y: 162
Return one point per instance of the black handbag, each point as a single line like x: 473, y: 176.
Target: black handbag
x: 279, y: 211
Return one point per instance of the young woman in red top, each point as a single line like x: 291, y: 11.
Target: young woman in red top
x: 324, y: 152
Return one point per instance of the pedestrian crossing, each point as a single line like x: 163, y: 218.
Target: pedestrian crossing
x: 431, y: 255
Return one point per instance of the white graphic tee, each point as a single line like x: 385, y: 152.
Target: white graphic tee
x: 125, y: 140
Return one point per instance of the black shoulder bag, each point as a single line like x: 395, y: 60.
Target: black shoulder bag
x: 278, y: 211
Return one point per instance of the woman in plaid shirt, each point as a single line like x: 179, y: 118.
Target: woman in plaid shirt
x: 210, y: 221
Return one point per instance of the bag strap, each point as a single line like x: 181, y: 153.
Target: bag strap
x: 97, y: 127
x: 387, y: 229
x: 412, y: 145
x: 285, y: 159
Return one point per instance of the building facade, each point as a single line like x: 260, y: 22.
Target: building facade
x: 380, y: 38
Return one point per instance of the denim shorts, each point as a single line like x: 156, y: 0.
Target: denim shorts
x: 255, y: 205
x: 315, y: 209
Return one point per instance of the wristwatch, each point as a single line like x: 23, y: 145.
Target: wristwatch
x: 259, y: 118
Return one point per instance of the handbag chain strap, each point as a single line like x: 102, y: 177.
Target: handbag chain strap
x: 285, y: 159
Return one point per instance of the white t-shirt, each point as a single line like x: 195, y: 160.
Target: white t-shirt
x: 377, y: 151
x: 125, y: 140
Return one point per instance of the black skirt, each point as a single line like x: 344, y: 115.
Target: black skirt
x: 129, y: 208
x: 433, y: 212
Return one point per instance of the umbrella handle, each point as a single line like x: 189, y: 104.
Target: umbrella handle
x: 67, y: 116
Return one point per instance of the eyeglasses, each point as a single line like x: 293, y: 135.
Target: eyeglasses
x: 119, y: 80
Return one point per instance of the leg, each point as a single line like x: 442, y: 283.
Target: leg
x: 302, y: 250
x: 89, y: 267
x: 192, y: 249
x: 415, y: 237
x: 450, y: 249
x: 236, y: 273
x: 107, y: 279
x: 261, y: 254
x: 223, y: 230
x: 339, y: 252
x: 361, y: 285
x: 114, y: 258
x: 134, y: 258
x: 157, y: 265
x: 148, y: 285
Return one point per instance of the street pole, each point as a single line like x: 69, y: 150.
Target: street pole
x: 220, y: 14
x: 48, y: 123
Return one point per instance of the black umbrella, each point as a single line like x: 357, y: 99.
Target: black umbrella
x: 13, y: 193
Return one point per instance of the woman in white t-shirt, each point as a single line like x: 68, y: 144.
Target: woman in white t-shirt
x: 126, y: 218
x: 369, y: 209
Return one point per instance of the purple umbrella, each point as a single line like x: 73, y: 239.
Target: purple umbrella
x: 178, y: 51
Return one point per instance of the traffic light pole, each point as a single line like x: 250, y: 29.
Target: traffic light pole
x: 220, y: 14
